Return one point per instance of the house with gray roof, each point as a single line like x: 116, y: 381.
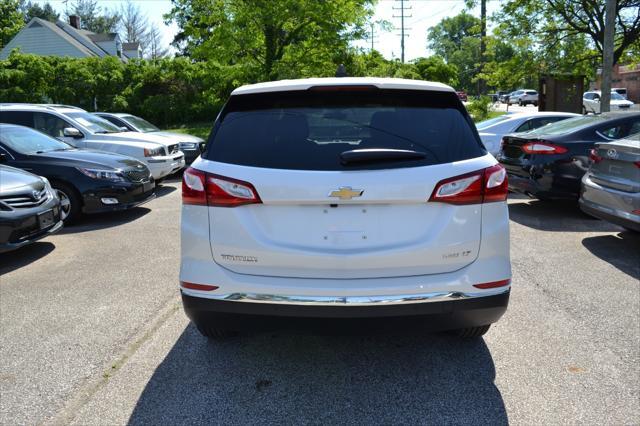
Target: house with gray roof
x: 41, y: 37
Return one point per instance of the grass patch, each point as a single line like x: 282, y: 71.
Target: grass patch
x: 200, y: 130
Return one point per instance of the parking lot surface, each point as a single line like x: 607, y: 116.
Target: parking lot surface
x: 92, y: 332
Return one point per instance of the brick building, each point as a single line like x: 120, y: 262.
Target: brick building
x: 627, y: 76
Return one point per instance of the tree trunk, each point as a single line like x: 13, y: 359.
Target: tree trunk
x: 607, y: 55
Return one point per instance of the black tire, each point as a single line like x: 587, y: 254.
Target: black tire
x: 70, y: 202
x: 472, y: 332
x: 584, y: 110
x: 215, y: 333
x: 159, y: 181
x: 535, y: 104
x: 520, y: 103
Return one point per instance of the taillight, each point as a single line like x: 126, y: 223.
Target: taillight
x: 543, y: 147
x: 483, y: 186
x: 201, y: 287
x: 206, y: 189
x: 637, y: 164
x: 593, y: 155
x: 493, y: 284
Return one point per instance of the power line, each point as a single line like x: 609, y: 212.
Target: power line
x: 402, y: 10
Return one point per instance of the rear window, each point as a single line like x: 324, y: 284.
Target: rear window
x: 309, y: 130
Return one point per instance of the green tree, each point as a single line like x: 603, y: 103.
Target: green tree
x: 93, y: 18
x: 551, y: 22
x: 271, y: 39
x: 457, y: 40
x: 35, y: 10
x: 11, y: 20
x: 434, y: 68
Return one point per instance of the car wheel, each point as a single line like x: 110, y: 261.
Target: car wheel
x: 584, y: 110
x: 159, y: 181
x: 472, y: 332
x: 520, y: 103
x: 215, y: 333
x: 69, y: 201
x: 535, y: 104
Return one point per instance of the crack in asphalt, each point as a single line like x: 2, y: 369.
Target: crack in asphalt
x: 94, y: 384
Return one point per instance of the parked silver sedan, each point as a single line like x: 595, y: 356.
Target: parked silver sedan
x: 611, y: 187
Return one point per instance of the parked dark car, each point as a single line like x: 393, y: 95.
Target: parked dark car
x: 86, y: 181
x: 191, y: 146
x: 611, y: 187
x: 549, y: 162
x: 29, y: 208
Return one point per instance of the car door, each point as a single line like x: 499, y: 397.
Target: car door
x: 54, y: 126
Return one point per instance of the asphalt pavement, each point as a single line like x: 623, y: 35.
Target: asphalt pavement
x: 92, y: 332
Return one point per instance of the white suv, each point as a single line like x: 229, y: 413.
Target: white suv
x: 84, y: 130
x: 358, y: 200
x: 524, y: 97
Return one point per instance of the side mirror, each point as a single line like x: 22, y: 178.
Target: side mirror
x: 124, y: 129
x: 596, y: 99
x: 203, y: 146
x: 3, y: 157
x: 72, y: 132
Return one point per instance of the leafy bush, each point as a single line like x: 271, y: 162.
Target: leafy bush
x: 479, y: 108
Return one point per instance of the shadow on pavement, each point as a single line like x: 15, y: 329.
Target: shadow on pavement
x: 10, y: 261
x: 287, y: 378
x: 162, y: 190
x: 561, y: 216
x: 104, y: 220
x: 621, y: 250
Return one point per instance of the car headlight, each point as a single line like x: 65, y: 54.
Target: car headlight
x: 188, y: 145
x: 153, y: 152
x: 111, y: 175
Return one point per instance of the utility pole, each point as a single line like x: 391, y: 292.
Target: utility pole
x: 402, y: 9
x: 372, y: 34
x: 607, y: 55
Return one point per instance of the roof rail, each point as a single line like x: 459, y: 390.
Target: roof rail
x: 53, y: 106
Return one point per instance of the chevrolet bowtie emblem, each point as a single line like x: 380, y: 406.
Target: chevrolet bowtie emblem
x: 346, y: 193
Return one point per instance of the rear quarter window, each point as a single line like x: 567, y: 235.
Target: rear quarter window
x: 308, y: 130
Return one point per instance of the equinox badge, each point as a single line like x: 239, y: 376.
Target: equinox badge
x: 346, y: 193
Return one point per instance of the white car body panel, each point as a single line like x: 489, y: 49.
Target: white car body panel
x: 359, y: 239
x: 615, y: 105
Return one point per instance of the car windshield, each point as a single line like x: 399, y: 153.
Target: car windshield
x: 29, y: 141
x: 140, y: 123
x: 568, y: 125
x: 616, y: 96
x: 93, y: 123
x: 490, y: 122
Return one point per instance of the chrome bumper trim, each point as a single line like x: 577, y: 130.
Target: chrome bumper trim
x: 345, y: 300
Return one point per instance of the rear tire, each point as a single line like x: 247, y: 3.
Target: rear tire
x: 70, y: 202
x: 584, y: 110
x: 215, y: 333
x: 472, y: 332
x: 520, y: 103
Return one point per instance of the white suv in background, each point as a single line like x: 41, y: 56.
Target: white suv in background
x: 591, y: 102
x: 524, y: 97
x: 84, y: 130
x: 361, y: 201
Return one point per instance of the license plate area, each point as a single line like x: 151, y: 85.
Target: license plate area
x: 46, y: 219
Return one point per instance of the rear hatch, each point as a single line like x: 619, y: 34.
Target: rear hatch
x: 616, y: 165
x: 321, y: 205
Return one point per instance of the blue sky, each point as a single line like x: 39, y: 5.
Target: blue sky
x: 425, y: 14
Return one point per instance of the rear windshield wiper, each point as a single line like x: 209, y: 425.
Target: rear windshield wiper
x: 379, y: 155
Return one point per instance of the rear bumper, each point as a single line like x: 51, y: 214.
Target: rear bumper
x: 543, y: 187
x: 609, y: 204
x: 427, y: 315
